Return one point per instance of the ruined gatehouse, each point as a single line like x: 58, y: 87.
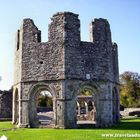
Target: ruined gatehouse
x: 65, y: 66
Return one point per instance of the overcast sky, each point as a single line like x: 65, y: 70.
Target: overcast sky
x: 123, y: 16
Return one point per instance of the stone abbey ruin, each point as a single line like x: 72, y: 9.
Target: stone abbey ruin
x: 82, y: 77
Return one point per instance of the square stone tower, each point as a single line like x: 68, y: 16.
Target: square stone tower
x: 65, y: 66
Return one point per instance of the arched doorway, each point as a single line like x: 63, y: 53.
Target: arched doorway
x: 115, y: 106
x: 41, y: 107
x: 44, y: 104
x: 86, y: 106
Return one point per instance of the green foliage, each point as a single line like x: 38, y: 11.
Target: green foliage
x: 44, y: 101
x: 86, y: 92
x: 130, y: 89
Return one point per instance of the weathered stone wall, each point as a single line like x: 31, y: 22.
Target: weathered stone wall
x: 115, y: 63
x: 55, y: 59
x: 18, y: 56
x: 97, y: 58
x: 126, y: 111
x: 40, y: 61
x: 5, y: 104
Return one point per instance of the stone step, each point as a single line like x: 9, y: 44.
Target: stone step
x: 86, y: 126
x: 46, y: 125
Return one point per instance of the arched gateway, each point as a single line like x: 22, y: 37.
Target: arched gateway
x: 81, y: 77
x: 32, y: 104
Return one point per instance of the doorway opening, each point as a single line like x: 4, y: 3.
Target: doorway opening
x: 41, y: 109
x: 45, y: 108
x: 86, y: 108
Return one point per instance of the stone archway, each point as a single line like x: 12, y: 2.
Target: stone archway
x: 88, y: 114
x: 34, y: 92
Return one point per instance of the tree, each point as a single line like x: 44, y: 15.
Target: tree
x: 130, y: 89
x: 44, y: 101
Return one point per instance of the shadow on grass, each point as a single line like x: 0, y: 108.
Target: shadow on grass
x: 125, y: 124
x: 128, y: 124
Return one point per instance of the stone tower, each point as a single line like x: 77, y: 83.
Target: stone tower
x: 65, y: 66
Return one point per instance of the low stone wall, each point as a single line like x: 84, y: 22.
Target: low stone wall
x: 5, y: 104
x: 126, y: 111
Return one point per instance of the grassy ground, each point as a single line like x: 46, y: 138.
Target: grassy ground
x: 127, y: 126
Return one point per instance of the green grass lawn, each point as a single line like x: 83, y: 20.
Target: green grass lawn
x: 127, y: 126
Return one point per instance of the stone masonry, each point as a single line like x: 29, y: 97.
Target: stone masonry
x: 65, y: 66
x: 5, y: 105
